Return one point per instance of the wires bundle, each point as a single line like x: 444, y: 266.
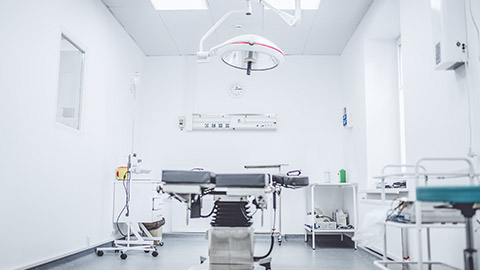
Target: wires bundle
x: 396, y: 211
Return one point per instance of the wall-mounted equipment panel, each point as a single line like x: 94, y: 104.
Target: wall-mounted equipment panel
x: 230, y: 122
x: 449, y: 33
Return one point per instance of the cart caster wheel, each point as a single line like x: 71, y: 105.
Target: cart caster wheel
x: 123, y: 256
x: 116, y: 251
x: 100, y: 253
x: 146, y: 251
x: 161, y: 244
x: 154, y: 254
x: 279, y: 243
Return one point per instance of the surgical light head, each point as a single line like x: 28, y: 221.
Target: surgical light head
x: 249, y: 52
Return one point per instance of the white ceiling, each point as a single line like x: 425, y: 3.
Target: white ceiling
x: 325, y: 31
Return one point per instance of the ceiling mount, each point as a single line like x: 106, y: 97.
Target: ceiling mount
x: 249, y: 52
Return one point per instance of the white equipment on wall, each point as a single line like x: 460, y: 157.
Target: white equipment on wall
x: 449, y: 33
x: 249, y: 52
x: 235, y: 122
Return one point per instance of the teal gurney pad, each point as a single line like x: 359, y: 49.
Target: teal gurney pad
x: 453, y: 194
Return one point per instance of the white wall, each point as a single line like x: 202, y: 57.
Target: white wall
x: 381, y: 106
x: 369, y: 67
x: 305, y: 92
x: 57, y: 183
x: 435, y: 103
x: 436, y: 107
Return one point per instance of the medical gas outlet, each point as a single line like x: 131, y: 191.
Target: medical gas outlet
x: 233, y: 122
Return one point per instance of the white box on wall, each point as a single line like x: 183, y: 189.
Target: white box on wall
x: 235, y: 122
x: 449, y: 33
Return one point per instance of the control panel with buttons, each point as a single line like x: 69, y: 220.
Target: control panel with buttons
x: 233, y: 122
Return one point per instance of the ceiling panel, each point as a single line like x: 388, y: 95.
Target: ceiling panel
x: 290, y: 39
x: 188, y: 27
x: 252, y: 24
x: 325, y: 31
x: 147, y: 29
x: 335, y: 23
x: 128, y: 3
x: 386, y: 23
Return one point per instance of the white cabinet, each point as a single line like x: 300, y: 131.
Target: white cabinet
x: 146, y: 201
x: 330, y: 197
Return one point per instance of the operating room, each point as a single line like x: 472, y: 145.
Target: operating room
x: 240, y: 134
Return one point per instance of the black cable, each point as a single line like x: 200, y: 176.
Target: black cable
x: 127, y: 191
x: 127, y: 200
x: 118, y: 226
x: 326, y: 217
x: 211, y: 213
x: 272, y: 240
x: 256, y: 209
x: 274, y: 218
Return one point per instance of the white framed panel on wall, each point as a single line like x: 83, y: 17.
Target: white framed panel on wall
x: 71, y: 83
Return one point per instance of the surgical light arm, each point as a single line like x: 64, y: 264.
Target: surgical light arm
x: 291, y: 20
x: 288, y: 18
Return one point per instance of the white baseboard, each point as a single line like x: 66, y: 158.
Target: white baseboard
x: 65, y: 255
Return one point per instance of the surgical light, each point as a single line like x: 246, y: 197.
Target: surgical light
x: 249, y: 52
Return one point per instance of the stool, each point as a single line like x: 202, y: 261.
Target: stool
x: 462, y: 198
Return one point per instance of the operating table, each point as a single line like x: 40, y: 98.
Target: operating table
x: 230, y: 239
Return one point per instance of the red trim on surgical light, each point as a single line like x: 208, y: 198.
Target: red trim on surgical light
x: 264, y: 45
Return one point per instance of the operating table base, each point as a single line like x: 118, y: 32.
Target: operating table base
x: 231, y: 248
x: 206, y: 266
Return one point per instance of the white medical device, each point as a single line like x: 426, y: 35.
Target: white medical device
x: 234, y: 122
x: 449, y: 33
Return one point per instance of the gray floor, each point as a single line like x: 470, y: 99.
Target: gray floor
x: 182, y: 251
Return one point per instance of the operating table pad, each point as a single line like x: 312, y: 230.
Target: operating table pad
x: 290, y: 181
x: 188, y: 177
x: 241, y: 180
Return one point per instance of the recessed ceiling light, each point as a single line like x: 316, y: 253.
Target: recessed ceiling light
x: 290, y: 4
x: 179, y: 4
